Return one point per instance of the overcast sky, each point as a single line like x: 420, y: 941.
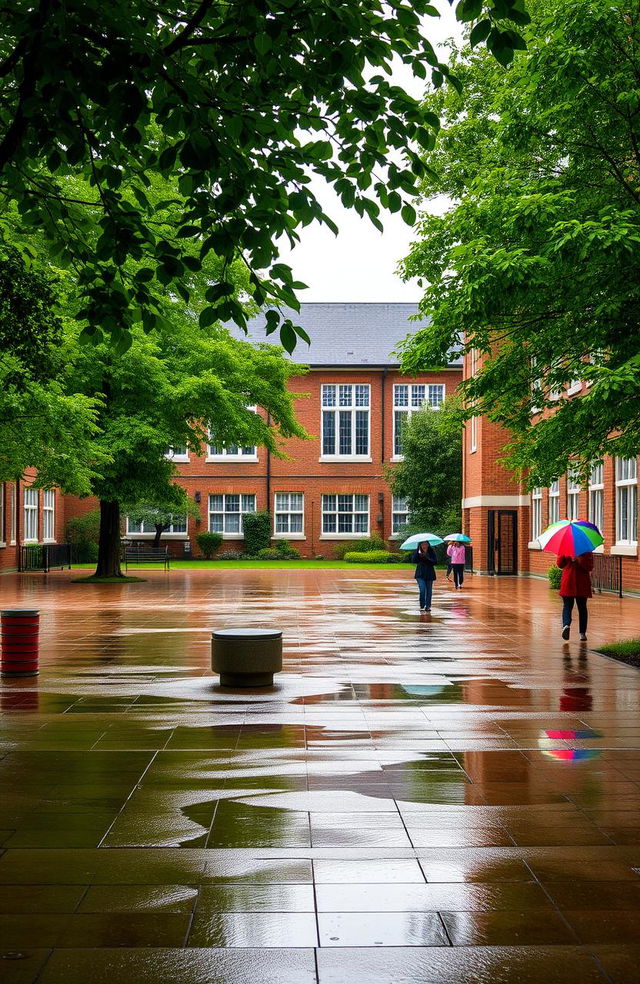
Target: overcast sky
x: 360, y: 264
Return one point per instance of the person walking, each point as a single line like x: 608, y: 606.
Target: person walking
x: 575, y: 586
x: 457, y: 558
x: 425, y: 574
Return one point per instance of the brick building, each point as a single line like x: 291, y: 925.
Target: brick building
x: 330, y: 488
x: 504, y: 520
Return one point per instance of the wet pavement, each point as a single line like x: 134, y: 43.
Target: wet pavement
x: 421, y: 798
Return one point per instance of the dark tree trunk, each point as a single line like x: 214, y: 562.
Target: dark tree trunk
x: 109, y: 541
x: 160, y: 528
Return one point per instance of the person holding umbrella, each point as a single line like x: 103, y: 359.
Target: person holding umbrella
x: 425, y: 559
x: 574, y: 542
x: 425, y: 573
x: 575, y: 586
x: 457, y: 556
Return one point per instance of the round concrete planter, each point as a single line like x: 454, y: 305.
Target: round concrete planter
x: 246, y: 657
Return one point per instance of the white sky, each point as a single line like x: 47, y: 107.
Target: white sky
x: 360, y: 263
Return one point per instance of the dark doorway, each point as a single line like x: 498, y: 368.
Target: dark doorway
x: 503, y: 541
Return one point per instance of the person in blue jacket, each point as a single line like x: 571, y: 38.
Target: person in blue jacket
x: 425, y: 560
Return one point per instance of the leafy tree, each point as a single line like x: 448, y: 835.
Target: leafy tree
x: 430, y: 475
x: 239, y: 103
x: 160, y: 394
x: 536, y: 266
x: 209, y: 543
x: 161, y: 514
x: 42, y: 424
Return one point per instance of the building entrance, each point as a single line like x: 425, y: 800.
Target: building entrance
x: 502, y: 547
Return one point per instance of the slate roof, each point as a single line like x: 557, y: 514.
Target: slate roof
x: 347, y: 334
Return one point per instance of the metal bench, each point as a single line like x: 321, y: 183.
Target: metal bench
x: 158, y: 555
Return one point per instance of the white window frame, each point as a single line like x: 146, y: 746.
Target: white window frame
x: 333, y: 501
x: 554, y: 496
x: 224, y: 512
x: 31, y: 514
x: 473, y: 435
x: 335, y: 408
x: 430, y: 398
x: 49, y: 516
x: 150, y: 534
x: 573, y: 496
x: 180, y: 455
x: 218, y: 452
x: 627, y: 488
x: 536, y: 515
x: 13, y: 515
x: 399, y: 508
x: 279, y: 511
x: 596, y: 495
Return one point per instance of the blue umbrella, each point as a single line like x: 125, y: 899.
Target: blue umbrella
x: 457, y: 538
x: 413, y: 542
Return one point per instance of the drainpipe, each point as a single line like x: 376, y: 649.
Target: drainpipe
x: 382, y: 416
x: 268, y: 475
x: 18, y: 514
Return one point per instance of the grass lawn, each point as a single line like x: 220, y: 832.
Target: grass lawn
x: 240, y: 565
x: 627, y: 651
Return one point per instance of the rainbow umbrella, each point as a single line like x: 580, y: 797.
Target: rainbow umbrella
x: 571, y: 537
x: 457, y: 538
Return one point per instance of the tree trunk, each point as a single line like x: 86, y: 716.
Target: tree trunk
x: 160, y: 528
x: 109, y: 541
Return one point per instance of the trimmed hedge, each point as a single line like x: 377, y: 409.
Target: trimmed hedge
x: 372, y: 557
x: 366, y: 545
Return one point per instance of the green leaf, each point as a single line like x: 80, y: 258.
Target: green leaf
x: 480, y: 32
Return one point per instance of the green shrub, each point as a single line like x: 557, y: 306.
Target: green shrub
x: 358, y: 546
x: 82, y: 533
x: 209, y: 543
x: 269, y: 553
x: 286, y: 551
x: 257, y: 531
x: 554, y: 575
x: 368, y: 557
x: 230, y: 555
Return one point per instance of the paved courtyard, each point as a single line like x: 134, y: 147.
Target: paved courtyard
x: 446, y: 798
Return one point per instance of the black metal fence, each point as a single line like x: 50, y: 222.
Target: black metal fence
x: 607, y: 573
x: 44, y: 556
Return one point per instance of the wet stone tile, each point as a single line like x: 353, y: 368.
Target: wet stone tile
x: 253, y: 929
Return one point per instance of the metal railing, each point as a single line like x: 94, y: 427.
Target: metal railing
x: 44, y: 556
x: 607, y: 573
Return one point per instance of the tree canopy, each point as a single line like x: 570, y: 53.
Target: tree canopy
x: 536, y: 265
x: 238, y: 104
x: 430, y: 475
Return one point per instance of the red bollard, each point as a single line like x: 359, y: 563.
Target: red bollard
x: 20, y: 638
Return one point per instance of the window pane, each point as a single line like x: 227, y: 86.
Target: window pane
x: 362, y: 432
x: 296, y: 501
x: 282, y: 523
x: 295, y: 523
x: 361, y: 523
x: 401, y: 396
x: 361, y: 503
x: 346, y: 396
x: 328, y: 432
x: 399, y: 418
x: 345, y: 523
x: 345, y: 431
x: 362, y: 396
x: 282, y: 501
x: 328, y: 396
x: 329, y: 523
x: 248, y: 503
x: 232, y: 503
x: 345, y: 503
x: 436, y: 395
x: 418, y: 395
x: 215, y: 503
x: 179, y: 524
x: 329, y: 503
x: 232, y: 522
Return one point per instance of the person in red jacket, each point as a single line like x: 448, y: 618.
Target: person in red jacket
x: 575, y: 585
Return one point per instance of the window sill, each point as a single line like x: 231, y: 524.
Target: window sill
x: 289, y: 536
x: 229, y: 536
x: 344, y: 536
x: 533, y: 545
x: 624, y: 550
x: 397, y: 457
x: 346, y: 458
x: 221, y: 458
x: 2, y: 543
x: 179, y: 458
x: 46, y: 540
x: 152, y: 536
